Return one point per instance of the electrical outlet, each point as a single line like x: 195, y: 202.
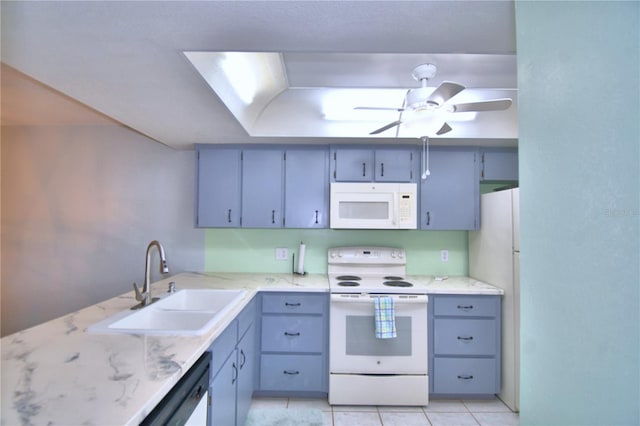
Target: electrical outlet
x: 444, y: 255
x: 282, y: 253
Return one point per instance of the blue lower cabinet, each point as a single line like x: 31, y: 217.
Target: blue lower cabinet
x: 293, y: 344
x: 466, y: 376
x: 233, y: 357
x: 291, y: 372
x: 465, y: 345
x: 223, y: 394
x: 246, y: 374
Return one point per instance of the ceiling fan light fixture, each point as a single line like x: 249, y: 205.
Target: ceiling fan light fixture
x: 418, y: 99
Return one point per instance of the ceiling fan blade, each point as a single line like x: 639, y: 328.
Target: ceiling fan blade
x: 444, y: 92
x: 444, y: 129
x: 494, y: 105
x: 387, y: 127
x: 380, y: 109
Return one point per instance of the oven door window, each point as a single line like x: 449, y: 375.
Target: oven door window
x: 361, y: 340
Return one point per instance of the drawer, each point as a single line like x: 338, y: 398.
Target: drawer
x: 223, y: 346
x: 293, y: 303
x: 292, y: 333
x: 466, y: 306
x: 453, y: 336
x: 465, y: 376
x: 291, y: 373
x: 246, y: 318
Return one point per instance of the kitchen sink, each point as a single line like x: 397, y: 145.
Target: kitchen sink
x: 186, y: 312
x: 199, y: 300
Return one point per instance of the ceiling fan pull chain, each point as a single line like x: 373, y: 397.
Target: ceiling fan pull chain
x: 425, y: 158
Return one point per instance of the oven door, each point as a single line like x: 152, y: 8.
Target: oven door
x: 354, y: 347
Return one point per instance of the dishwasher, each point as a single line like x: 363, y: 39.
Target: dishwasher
x: 186, y: 403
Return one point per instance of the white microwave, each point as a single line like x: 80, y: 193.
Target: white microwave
x: 372, y: 205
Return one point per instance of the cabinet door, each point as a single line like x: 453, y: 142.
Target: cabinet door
x: 218, y: 188
x: 246, y: 371
x: 394, y: 165
x: 223, y: 394
x: 262, y: 183
x: 450, y: 196
x: 353, y: 165
x: 499, y: 165
x: 306, y: 188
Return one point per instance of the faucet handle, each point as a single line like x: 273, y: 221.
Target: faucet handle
x: 139, y: 295
x: 172, y: 287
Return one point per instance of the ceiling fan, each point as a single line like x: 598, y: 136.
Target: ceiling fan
x: 424, y: 98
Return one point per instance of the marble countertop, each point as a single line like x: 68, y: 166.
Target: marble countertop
x: 57, y: 373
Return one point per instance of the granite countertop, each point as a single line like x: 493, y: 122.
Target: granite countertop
x: 57, y: 373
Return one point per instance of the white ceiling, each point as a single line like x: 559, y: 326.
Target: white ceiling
x: 126, y: 61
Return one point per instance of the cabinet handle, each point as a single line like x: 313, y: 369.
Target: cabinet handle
x: 316, y: 216
x: 465, y: 307
x: 467, y: 377
x: 243, y: 359
x: 364, y: 169
x: 381, y: 169
x: 467, y: 338
x: 273, y: 216
x: 291, y: 304
x: 229, y: 216
x: 291, y: 372
x: 198, y: 393
x: 235, y: 373
x: 428, y: 218
x: 286, y: 333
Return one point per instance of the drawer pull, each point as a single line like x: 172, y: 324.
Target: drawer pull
x: 291, y: 304
x: 286, y: 333
x: 466, y: 339
x: 468, y: 377
x: 465, y: 307
x: 291, y: 372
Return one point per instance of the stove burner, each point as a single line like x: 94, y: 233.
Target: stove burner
x: 393, y: 278
x: 348, y: 284
x: 348, y: 278
x: 397, y: 284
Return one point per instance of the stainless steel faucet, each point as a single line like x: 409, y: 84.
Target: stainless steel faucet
x: 144, y: 296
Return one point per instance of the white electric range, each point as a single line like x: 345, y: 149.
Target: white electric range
x: 365, y: 369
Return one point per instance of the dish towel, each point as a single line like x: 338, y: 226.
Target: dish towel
x: 385, y: 318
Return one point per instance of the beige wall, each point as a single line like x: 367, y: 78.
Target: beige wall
x: 79, y: 206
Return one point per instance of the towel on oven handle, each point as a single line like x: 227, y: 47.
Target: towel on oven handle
x: 385, y: 317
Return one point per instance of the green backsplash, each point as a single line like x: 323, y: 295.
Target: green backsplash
x: 253, y: 250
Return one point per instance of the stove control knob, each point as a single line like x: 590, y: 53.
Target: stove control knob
x: 400, y: 254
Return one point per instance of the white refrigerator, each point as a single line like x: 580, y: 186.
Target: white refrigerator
x: 494, y: 257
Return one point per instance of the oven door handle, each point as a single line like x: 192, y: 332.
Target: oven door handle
x: 368, y: 298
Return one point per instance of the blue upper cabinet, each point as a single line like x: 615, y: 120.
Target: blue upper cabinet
x: 388, y: 164
x: 394, y: 165
x: 263, y: 187
x: 262, y: 183
x: 499, y: 164
x: 306, y: 188
x: 450, y: 196
x: 352, y: 165
x: 218, y: 194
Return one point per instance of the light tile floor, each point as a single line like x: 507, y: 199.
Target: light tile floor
x: 439, y: 412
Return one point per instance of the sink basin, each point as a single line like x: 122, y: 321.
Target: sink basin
x: 198, y: 300
x: 187, y: 312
